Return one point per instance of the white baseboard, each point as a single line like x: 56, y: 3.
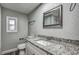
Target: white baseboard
x: 10, y: 50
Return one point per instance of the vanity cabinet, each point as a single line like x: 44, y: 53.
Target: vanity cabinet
x: 33, y: 50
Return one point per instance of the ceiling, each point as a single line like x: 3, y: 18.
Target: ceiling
x: 21, y: 7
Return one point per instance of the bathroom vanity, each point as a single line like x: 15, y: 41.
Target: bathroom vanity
x: 41, y: 46
x: 34, y: 48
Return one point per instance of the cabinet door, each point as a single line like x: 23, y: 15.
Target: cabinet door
x: 30, y: 50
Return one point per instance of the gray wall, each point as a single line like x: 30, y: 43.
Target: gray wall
x: 10, y: 40
x: 70, y: 28
x: 0, y: 29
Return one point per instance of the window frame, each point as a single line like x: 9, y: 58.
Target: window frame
x: 7, y: 23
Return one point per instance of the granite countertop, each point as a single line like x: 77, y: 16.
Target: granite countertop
x: 56, y: 47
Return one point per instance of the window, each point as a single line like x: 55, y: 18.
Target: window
x: 11, y: 24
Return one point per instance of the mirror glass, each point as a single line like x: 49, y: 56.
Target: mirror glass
x: 53, y: 18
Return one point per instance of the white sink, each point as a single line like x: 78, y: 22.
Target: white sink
x: 44, y: 43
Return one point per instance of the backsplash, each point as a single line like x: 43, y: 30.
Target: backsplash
x: 76, y: 42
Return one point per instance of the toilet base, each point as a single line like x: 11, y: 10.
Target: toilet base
x: 22, y: 52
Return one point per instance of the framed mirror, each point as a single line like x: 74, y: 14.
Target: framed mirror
x: 53, y: 18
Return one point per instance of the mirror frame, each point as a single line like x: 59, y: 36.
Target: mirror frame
x: 60, y: 25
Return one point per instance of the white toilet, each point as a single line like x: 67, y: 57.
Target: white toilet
x: 21, y: 48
